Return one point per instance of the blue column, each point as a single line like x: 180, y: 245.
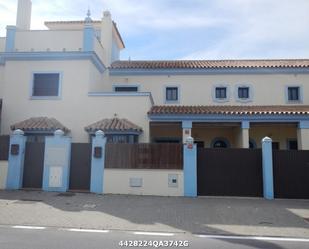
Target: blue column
x: 189, y: 169
x: 10, y: 39
x: 57, y: 162
x: 88, y: 41
x: 267, y: 159
x: 16, y: 160
x: 97, y: 163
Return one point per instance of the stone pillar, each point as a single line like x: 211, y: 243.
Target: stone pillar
x: 16, y: 160
x: 244, y: 134
x: 303, y: 135
x: 10, y: 39
x: 190, y: 168
x: 186, y: 130
x: 267, y: 161
x: 97, y: 163
x: 57, y: 162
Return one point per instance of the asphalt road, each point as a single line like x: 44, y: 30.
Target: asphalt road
x: 56, y: 238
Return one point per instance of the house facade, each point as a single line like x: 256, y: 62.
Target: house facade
x: 70, y: 77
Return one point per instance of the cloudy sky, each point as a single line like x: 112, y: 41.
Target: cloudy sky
x: 189, y: 29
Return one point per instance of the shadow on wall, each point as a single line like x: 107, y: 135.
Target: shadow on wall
x: 199, y: 215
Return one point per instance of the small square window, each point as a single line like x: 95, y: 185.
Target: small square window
x: 292, y: 145
x: 220, y: 92
x: 293, y: 93
x: 243, y: 92
x: 45, y: 85
x: 171, y: 94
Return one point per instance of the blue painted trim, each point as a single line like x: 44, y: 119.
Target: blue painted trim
x: 245, y: 124
x: 97, y: 166
x: 10, y: 38
x: 58, y: 97
x: 128, y: 72
x: 121, y: 94
x: 178, y: 94
x: 88, y: 38
x: 251, y: 95
x: 228, y: 118
x: 14, y: 178
x: 301, y: 95
x: 220, y: 139
x: 303, y: 124
x: 190, y: 171
x: 267, y: 161
x: 187, y: 124
x: 54, y: 56
x: 218, y: 100
x: 57, y: 142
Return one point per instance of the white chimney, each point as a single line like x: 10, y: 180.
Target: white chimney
x: 23, y: 19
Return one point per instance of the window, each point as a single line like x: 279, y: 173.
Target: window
x: 221, y: 93
x: 122, y: 138
x: 275, y: 145
x: 126, y: 89
x: 171, y: 94
x: 46, y: 85
x: 252, y: 144
x: 243, y: 92
x: 292, y: 144
x: 220, y: 143
x: 293, y: 94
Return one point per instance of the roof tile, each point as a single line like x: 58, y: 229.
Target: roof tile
x: 43, y: 124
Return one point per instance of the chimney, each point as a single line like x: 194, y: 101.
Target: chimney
x: 23, y: 19
x: 107, y: 36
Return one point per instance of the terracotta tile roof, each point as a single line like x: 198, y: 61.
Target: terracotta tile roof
x: 210, y: 64
x: 230, y: 110
x: 113, y: 125
x: 43, y: 124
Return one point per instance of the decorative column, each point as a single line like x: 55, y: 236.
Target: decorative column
x: 10, y: 38
x: 303, y: 135
x: 189, y: 168
x: 186, y: 130
x: 97, y: 163
x: 244, y: 134
x: 89, y: 33
x: 267, y: 161
x: 57, y: 162
x: 16, y: 160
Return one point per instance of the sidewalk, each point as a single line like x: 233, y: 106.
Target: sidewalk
x: 229, y: 216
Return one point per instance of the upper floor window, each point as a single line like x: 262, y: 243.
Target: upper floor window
x: 221, y: 93
x: 126, y: 88
x: 171, y: 94
x: 46, y: 85
x: 243, y: 92
x: 293, y: 94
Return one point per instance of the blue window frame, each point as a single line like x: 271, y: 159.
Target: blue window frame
x: 46, y: 85
x: 171, y: 93
x: 293, y: 94
x: 221, y: 93
x: 243, y: 92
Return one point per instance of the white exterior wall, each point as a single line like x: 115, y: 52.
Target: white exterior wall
x: 55, y: 40
x: 154, y: 182
x: 267, y: 89
x: 3, y: 173
x: 75, y: 109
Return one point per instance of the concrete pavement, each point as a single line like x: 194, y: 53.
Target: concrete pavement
x: 229, y: 216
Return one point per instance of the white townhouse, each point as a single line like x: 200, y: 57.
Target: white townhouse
x: 70, y: 77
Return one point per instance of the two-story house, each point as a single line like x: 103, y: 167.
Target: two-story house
x: 70, y: 77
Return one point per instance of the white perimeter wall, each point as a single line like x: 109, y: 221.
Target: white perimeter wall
x: 3, y: 173
x: 154, y: 182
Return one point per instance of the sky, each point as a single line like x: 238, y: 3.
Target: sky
x: 188, y: 29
